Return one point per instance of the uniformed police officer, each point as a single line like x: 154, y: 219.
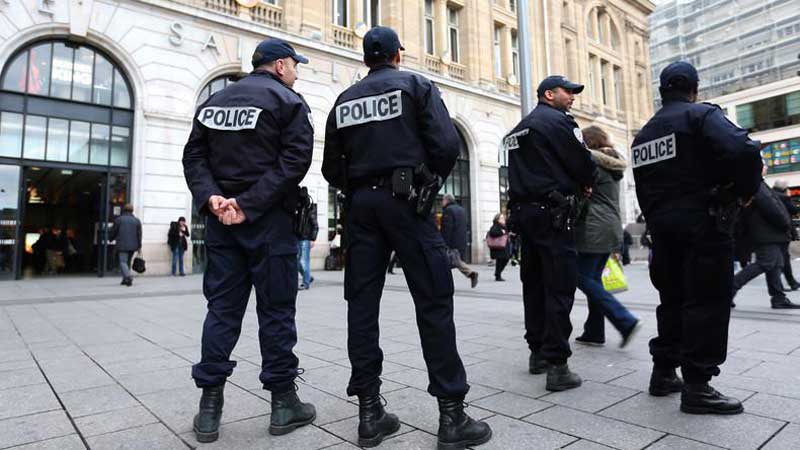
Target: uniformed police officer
x: 691, y: 165
x: 250, y: 146
x: 549, y: 169
x: 378, y: 132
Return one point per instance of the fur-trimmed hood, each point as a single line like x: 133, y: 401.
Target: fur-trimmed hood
x: 609, y: 159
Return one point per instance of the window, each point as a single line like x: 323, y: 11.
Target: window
x: 618, y: 88
x: 515, y: 53
x: 603, y: 81
x: 429, y: 48
x: 773, y: 112
x: 498, y: 55
x: 452, y: 24
x: 590, y: 23
x: 372, y: 13
x: 216, y: 85
x: 340, y: 12
x: 568, y: 59
x: 593, y: 77
x: 512, y: 5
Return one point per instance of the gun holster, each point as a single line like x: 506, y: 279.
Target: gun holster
x: 561, y: 209
x: 302, y: 212
x: 724, y: 208
x: 427, y: 186
x: 403, y: 182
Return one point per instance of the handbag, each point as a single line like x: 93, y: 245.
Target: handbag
x: 497, y: 242
x: 138, y: 265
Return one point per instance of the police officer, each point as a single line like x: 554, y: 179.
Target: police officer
x: 250, y: 146
x: 549, y: 168
x: 691, y: 164
x: 378, y: 132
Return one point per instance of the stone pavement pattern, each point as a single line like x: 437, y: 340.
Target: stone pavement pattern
x: 89, y: 364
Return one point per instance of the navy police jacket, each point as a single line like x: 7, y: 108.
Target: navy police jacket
x: 684, y: 151
x: 389, y: 119
x: 546, y: 153
x: 253, y: 141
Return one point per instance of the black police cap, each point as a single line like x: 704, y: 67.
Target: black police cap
x: 679, y: 73
x: 274, y: 49
x: 554, y: 81
x: 381, y: 41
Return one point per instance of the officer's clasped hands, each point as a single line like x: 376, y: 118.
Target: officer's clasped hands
x: 226, y: 209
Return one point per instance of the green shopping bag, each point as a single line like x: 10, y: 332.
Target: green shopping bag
x: 613, y: 277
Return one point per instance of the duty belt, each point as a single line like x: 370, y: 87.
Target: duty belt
x: 377, y: 181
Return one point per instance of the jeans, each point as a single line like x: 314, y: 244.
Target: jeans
x: 177, y: 259
x: 125, y: 264
x: 601, y: 303
x: 304, y: 261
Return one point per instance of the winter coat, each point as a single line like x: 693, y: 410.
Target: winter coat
x: 174, y: 237
x: 601, y: 231
x: 454, y: 227
x: 767, y: 221
x: 793, y: 211
x: 127, y: 231
x: 498, y: 230
x: 312, y: 227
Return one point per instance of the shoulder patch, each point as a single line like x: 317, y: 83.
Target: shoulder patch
x: 578, y: 134
x: 229, y: 118
x: 655, y: 151
x: 511, y: 142
x: 375, y: 108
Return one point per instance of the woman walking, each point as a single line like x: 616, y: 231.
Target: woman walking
x: 499, y: 243
x: 596, y: 238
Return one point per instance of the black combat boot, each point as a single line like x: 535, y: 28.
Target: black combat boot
x: 457, y: 430
x: 374, y: 423
x: 289, y: 413
x: 560, y: 378
x: 701, y: 398
x: 537, y: 364
x: 664, y: 381
x: 206, y: 422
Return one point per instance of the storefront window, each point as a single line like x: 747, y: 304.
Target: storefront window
x: 120, y: 145
x: 82, y: 82
x: 79, y: 142
x: 99, y: 145
x: 14, y: 79
x: 103, y: 80
x: 35, y: 133
x: 39, y: 71
x: 122, y: 96
x: 62, y: 71
x: 10, y: 134
x: 57, y: 139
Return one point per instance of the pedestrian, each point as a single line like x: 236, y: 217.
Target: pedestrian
x: 251, y: 144
x: 177, y: 239
x: 304, y: 245
x: 454, y: 232
x: 692, y: 167
x: 768, y: 225
x: 371, y: 157
x: 596, y: 237
x: 127, y: 232
x: 627, y: 241
x: 501, y: 252
x: 781, y: 188
x: 549, y: 169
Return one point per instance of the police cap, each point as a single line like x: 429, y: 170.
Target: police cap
x: 679, y: 74
x: 554, y: 81
x: 274, y: 49
x: 381, y: 41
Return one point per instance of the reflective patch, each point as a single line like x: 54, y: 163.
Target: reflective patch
x: 369, y: 109
x: 654, y: 151
x: 578, y: 134
x: 511, y: 142
x: 229, y: 118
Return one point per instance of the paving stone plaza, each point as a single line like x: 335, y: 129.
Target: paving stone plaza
x: 86, y: 363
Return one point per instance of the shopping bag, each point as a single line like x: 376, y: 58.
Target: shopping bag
x: 138, y: 265
x: 613, y: 277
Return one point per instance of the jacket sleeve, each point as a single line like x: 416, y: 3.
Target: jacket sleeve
x: 572, y: 152
x: 314, y: 223
x: 447, y: 227
x: 112, y: 235
x: 293, y: 161
x: 439, y: 135
x: 332, y: 164
x: 734, y: 151
x: 769, y: 208
x: 196, y: 168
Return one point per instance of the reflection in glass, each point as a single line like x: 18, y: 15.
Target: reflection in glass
x: 120, y: 143
x: 35, y: 133
x: 10, y: 134
x: 15, y: 73
x: 99, y: 144
x: 9, y: 198
x: 79, y: 142
x: 62, y: 71
x: 82, y: 79
x: 39, y: 75
x: 103, y: 78
x: 57, y: 139
x: 122, y: 96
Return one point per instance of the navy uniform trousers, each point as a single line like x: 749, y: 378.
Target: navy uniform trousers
x: 549, y: 273
x: 261, y: 254
x: 378, y: 223
x: 692, y: 269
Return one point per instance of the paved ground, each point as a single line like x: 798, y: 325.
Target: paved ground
x: 87, y: 363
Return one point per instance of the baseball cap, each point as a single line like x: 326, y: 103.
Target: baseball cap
x: 381, y: 41
x: 676, y: 70
x: 554, y: 81
x: 273, y: 49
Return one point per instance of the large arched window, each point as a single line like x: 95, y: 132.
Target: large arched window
x: 600, y: 27
x: 216, y: 85
x: 458, y: 184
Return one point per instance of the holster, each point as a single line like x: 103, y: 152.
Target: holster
x: 302, y: 212
x: 724, y: 208
x: 427, y: 185
x: 561, y: 210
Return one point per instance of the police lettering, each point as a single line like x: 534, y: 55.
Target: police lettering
x: 654, y: 151
x: 369, y: 109
x: 230, y: 118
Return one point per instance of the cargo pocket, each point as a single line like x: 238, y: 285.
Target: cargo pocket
x: 282, y: 278
x: 439, y: 267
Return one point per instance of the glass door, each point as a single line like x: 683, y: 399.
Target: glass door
x: 9, y: 219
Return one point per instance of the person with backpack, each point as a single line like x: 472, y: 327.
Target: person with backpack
x: 178, y: 244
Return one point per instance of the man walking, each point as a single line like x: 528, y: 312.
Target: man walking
x: 454, y: 232
x: 781, y: 188
x: 127, y: 232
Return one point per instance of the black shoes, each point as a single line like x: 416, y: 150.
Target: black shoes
x: 457, y: 430
x: 664, y: 382
x: 206, y: 422
x: 560, y: 378
x: 289, y: 413
x: 781, y: 302
x: 703, y: 399
x: 499, y: 278
x: 628, y: 335
x: 473, y: 279
x: 537, y: 364
x: 374, y: 424
x: 127, y: 282
x: 588, y: 341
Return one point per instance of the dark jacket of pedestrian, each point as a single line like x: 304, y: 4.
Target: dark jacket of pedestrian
x: 454, y: 227
x: 789, y: 205
x: 601, y: 231
x: 767, y: 220
x: 498, y: 230
x: 311, y: 230
x: 127, y: 231
x: 175, y: 238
